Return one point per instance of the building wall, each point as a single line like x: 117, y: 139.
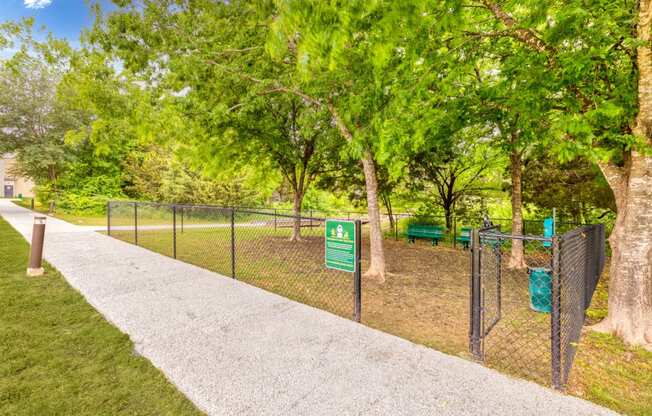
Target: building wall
x: 21, y: 186
x: 2, y: 176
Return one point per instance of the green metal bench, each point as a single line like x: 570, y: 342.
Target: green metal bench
x: 465, y: 237
x: 428, y: 232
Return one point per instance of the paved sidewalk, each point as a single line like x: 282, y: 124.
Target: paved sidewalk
x: 235, y: 349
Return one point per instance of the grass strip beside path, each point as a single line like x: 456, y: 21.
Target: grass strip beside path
x: 61, y: 357
x: 77, y: 219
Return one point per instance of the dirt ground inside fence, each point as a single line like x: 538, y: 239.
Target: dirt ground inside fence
x: 425, y: 299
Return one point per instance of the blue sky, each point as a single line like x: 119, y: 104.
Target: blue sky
x: 64, y: 18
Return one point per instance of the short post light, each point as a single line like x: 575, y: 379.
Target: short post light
x: 35, y: 267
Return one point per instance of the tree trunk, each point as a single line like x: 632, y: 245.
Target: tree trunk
x: 516, y: 260
x: 376, y: 254
x: 448, y: 214
x: 52, y: 174
x: 630, y: 287
x: 296, y: 211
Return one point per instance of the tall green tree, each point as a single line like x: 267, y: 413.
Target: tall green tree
x: 576, y: 189
x: 452, y: 170
x: 228, y: 87
x: 592, y: 65
x: 34, y: 119
x: 118, y: 110
x: 350, y: 57
x: 295, y: 138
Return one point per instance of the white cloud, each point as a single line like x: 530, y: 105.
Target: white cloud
x: 37, y: 4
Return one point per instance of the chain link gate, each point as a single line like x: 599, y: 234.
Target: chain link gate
x: 484, y: 316
x: 527, y: 314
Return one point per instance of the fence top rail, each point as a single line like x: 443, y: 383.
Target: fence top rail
x: 218, y: 208
x: 489, y: 228
x: 580, y: 230
x: 272, y: 214
x: 325, y: 213
x: 506, y: 236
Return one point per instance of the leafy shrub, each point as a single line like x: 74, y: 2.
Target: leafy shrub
x: 87, y: 197
x: 75, y: 203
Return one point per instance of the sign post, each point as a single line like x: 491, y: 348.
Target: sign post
x: 340, y: 245
x: 342, y: 251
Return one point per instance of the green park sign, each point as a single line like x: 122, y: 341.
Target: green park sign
x: 340, y: 245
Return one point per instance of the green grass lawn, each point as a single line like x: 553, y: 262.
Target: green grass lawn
x: 608, y: 372
x: 61, y: 357
x: 123, y: 215
x: 78, y: 218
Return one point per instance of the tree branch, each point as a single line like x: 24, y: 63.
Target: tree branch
x: 527, y: 36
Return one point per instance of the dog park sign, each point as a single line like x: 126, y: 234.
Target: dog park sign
x: 340, y: 245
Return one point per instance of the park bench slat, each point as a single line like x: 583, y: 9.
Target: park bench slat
x: 430, y: 232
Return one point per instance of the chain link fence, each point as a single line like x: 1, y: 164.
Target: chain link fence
x: 257, y: 247
x: 527, y: 312
x: 580, y: 260
x: 425, y: 297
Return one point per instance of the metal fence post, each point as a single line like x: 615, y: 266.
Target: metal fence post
x: 136, y: 223
x: 589, y: 263
x: 233, y: 243
x: 555, y: 315
x: 32, y: 204
x: 454, y: 231
x: 475, y: 297
x: 395, y: 227
x: 357, y: 277
x: 182, y: 219
x: 174, y: 231
x: 108, y: 218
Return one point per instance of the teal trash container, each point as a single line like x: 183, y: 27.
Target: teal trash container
x: 540, y: 289
x: 548, y: 231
